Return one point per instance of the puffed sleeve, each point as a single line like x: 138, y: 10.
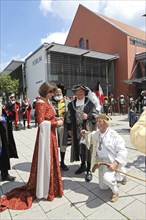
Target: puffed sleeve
x: 40, y: 112
x: 138, y: 133
x: 121, y: 151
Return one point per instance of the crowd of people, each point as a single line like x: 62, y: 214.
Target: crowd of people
x: 80, y: 122
x: 18, y: 112
x: 125, y: 105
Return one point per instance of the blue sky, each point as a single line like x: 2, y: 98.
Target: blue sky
x: 26, y: 24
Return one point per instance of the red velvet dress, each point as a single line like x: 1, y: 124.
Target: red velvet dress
x: 21, y: 198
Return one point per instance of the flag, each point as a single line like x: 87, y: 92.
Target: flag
x: 101, y: 96
x: 99, y: 92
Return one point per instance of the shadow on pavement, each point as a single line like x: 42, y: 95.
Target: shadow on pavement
x: 95, y: 198
x: 141, y: 160
x: 23, y: 166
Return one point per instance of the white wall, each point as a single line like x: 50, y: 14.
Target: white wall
x: 35, y: 73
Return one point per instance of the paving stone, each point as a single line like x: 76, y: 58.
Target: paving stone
x: 105, y: 212
x: 135, y: 211
x: 82, y: 200
x: 33, y: 213
x: 80, y: 196
x: 5, y: 215
x: 66, y: 211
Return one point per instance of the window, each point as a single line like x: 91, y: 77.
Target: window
x: 81, y: 43
x: 73, y: 69
x: 138, y: 42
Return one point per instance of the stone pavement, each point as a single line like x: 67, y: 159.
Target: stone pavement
x: 81, y: 200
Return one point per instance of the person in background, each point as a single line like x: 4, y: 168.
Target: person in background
x: 45, y: 179
x: 11, y: 113
x: 60, y: 104
x: 81, y: 115
x: 7, y: 145
x: 26, y: 110
x: 143, y: 101
x: 17, y: 109
x: 132, y: 115
x: 112, y: 103
x: 106, y: 105
x: 122, y: 104
x: 107, y: 147
x: 33, y: 106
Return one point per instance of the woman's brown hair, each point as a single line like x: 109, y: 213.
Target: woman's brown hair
x: 45, y: 88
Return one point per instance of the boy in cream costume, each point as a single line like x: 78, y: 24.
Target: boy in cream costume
x: 109, y: 147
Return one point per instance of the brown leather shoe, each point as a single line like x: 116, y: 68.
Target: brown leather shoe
x: 114, y: 197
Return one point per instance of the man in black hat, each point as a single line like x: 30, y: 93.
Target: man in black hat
x: 81, y: 115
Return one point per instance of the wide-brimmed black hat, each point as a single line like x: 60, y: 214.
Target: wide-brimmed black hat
x: 80, y: 86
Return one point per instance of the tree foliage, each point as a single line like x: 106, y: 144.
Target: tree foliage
x: 8, y: 85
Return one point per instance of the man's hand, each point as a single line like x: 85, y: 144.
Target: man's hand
x: 84, y: 116
x: 83, y: 132
x: 60, y: 122
x: 113, y: 166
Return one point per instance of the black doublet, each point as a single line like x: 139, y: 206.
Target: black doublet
x: 8, y: 145
x: 89, y: 108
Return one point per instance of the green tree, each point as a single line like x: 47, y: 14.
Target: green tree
x: 8, y: 85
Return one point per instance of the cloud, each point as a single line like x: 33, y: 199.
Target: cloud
x: 45, y: 7
x: 66, y: 9
x: 57, y: 37
x: 129, y: 12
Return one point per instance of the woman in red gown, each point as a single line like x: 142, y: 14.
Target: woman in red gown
x: 21, y: 198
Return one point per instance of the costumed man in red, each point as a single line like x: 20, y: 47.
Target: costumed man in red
x: 26, y: 110
x: 17, y: 108
x: 33, y: 106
